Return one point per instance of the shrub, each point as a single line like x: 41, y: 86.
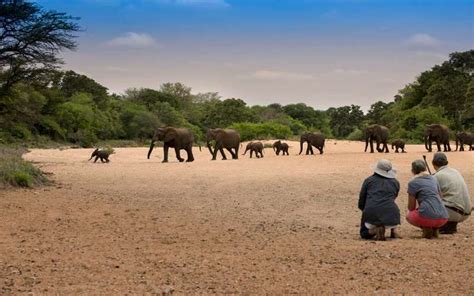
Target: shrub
x: 268, y: 130
x: 356, y: 135
x: 15, y: 171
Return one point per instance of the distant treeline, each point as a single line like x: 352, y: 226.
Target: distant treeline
x: 70, y: 107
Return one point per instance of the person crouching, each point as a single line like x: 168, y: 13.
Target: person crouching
x: 424, y: 190
x: 377, y: 202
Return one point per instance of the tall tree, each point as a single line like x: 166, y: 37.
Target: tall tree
x: 31, y: 39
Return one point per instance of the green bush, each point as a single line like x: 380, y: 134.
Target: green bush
x: 15, y: 171
x: 356, y: 135
x: 268, y: 130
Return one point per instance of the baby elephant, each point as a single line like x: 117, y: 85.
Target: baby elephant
x: 102, y: 154
x: 256, y: 147
x: 279, y: 146
x: 398, y: 144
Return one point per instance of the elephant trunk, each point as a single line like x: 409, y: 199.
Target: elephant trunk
x: 151, y: 148
x: 301, y: 145
x: 426, y: 143
x: 246, y: 149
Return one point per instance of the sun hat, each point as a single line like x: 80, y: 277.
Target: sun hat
x: 384, y: 168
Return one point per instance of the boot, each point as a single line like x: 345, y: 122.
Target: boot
x: 394, y: 233
x: 427, y: 232
x: 380, y: 233
x: 449, y: 228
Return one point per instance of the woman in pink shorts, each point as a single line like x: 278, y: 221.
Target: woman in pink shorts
x: 424, y: 190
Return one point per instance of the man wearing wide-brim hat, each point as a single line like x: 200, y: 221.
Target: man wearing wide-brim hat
x: 377, y: 202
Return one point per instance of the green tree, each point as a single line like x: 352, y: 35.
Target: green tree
x: 31, y: 39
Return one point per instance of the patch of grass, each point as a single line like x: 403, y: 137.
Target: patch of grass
x: 15, y: 171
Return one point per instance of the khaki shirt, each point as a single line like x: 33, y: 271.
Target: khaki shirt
x: 454, y: 189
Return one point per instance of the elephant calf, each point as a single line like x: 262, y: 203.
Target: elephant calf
x: 102, y: 154
x: 398, y: 144
x: 464, y: 138
x: 256, y: 147
x: 279, y: 146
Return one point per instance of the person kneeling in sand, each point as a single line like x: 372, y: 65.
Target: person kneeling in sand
x: 424, y: 189
x: 455, y: 194
x: 377, y: 202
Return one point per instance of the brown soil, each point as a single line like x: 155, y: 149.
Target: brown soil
x: 277, y: 225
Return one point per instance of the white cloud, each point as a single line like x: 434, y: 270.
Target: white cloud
x: 349, y: 71
x: 278, y: 75
x: 132, y: 40
x: 422, y: 40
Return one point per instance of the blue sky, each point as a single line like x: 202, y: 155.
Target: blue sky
x: 323, y: 53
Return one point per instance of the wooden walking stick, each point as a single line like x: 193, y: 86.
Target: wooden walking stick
x: 426, y: 163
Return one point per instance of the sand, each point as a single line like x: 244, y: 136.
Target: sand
x: 277, y: 225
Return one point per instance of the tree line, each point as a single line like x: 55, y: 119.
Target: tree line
x: 40, y: 102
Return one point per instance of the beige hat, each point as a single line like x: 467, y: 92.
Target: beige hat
x: 384, y: 168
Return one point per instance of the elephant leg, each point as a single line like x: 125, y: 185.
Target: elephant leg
x: 96, y: 158
x: 438, y: 144
x: 386, y: 148
x: 214, y: 153
x: 102, y: 160
x: 449, y: 146
x: 236, y: 152
x: 461, y: 146
x: 165, y: 152
x: 231, y: 152
x: 189, y: 151
x: 261, y: 153
x: 222, y: 153
x: 320, y: 150
x: 371, y: 142
x: 178, y: 154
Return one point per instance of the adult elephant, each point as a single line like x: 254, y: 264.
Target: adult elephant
x: 379, y: 134
x: 312, y: 139
x: 223, y: 139
x: 438, y: 133
x: 464, y: 138
x: 177, y: 138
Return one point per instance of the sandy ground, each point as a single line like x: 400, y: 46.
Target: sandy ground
x: 277, y: 225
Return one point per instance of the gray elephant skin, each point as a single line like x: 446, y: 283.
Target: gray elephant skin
x: 464, y: 138
x: 102, y: 154
x: 177, y: 138
x: 398, y: 144
x: 379, y: 134
x: 312, y: 139
x: 254, y: 147
x: 278, y: 147
x: 228, y: 139
x: 438, y: 133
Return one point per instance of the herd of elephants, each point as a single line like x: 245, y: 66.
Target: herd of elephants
x: 219, y: 139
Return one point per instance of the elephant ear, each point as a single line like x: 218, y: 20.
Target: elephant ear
x: 170, y: 135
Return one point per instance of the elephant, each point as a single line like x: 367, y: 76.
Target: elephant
x: 312, y: 139
x: 464, y: 138
x: 279, y: 146
x: 102, y: 154
x: 177, y: 138
x: 223, y: 138
x: 398, y: 144
x: 256, y: 147
x: 438, y: 133
x: 379, y: 134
